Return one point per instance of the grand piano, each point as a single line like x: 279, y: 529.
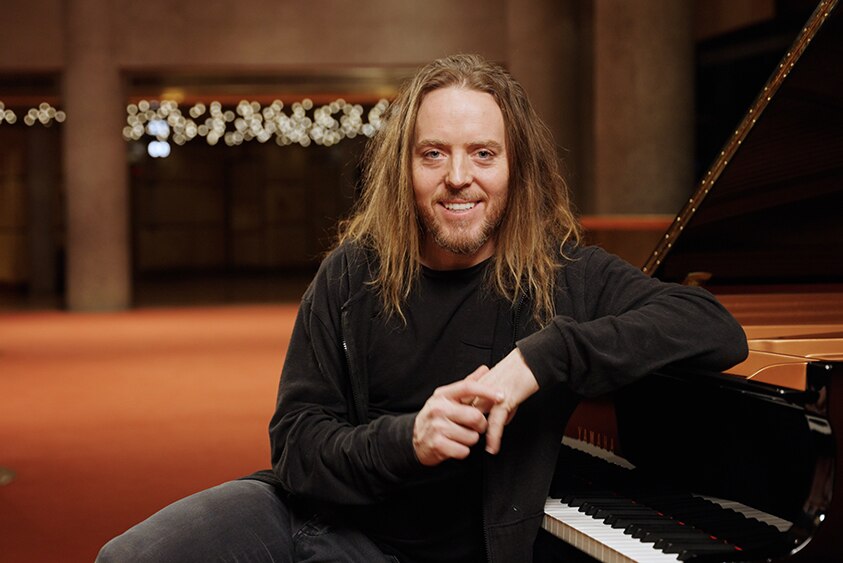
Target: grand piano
x: 744, y: 465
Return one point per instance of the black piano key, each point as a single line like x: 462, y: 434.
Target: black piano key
x: 611, y: 501
x: 578, y: 497
x: 673, y: 537
x: 716, y: 520
x: 594, y: 504
x: 623, y: 521
x: 639, y: 530
x: 656, y: 523
x: 601, y: 512
x: 616, y: 519
x: 688, y: 552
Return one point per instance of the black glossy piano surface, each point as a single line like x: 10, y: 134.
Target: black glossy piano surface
x: 742, y: 466
x: 713, y: 468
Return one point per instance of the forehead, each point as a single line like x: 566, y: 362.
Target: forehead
x: 459, y: 111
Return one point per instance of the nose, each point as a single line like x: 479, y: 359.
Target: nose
x: 459, y: 172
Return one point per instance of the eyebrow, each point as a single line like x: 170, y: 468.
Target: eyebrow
x: 426, y: 143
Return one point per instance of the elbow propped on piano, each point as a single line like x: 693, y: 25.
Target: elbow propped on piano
x: 629, y: 325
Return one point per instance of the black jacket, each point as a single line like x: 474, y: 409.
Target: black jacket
x: 613, y: 325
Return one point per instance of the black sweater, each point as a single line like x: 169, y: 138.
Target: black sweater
x: 613, y: 326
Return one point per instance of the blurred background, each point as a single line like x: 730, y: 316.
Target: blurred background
x: 171, y: 174
x: 131, y: 174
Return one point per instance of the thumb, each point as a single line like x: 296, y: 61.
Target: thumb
x: 478, y: 373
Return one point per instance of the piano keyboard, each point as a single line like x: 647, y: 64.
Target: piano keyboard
x: 610, y: 527
x: 595, y: 538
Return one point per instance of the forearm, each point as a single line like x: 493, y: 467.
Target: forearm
x: 317, y: 456
x: 600, y: 355
x: 624, y: 324
x: 316, y: 451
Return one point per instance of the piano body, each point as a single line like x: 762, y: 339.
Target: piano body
x: 744, y: 465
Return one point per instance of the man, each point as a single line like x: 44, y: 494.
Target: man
x: 392, y: 440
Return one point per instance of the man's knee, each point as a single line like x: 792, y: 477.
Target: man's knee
x: 121, y: 549
x: 243, y: 519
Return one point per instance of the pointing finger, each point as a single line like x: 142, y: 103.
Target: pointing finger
x: 496, y: 420
x: 467, y: 390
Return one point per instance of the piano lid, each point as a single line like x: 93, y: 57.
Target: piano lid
x: 769, y: 211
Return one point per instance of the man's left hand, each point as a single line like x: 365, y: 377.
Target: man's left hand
x: 515, y: 379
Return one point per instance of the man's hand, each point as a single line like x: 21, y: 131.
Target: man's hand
x: 514, y: 379
x: 447, y: 426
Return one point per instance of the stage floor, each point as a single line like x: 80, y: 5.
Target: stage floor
x: 105, y: 418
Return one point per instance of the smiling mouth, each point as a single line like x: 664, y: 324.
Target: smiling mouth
x: 459, y: 206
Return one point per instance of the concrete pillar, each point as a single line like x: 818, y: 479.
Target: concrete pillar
x: 95, y: 168
x: 544, y: 55
x: 42, y: 177
x: 642, y: 159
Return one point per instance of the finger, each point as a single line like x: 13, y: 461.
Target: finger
x: 442, y: 411
x: 468, y: 389
x: 469, y: 417
x: 439, y: 439
x: 482, y: 405
x: 439, y: 448
x: 496, y: 421
x: 461, y: 435
x: 448, y: 449
x: 474, y: 376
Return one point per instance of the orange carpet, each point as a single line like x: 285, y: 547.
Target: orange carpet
x: 105, y: 418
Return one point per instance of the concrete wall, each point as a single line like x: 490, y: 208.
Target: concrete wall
x: 261, y: 34
x: 612, y: 79
x: 32, y: 35
x: 272, y: 34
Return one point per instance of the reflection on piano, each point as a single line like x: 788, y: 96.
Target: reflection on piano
x: 736, y: 466
x: 637, y: 520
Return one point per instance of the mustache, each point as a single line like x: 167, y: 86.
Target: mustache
x: 466, y: 194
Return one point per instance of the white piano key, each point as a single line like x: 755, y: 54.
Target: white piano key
x: 598, y: 539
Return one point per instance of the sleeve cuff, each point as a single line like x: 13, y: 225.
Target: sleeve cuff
x: 544, y: 355
x: 397, y: 445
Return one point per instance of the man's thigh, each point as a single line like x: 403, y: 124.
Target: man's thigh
x: 236, y: 521
x: 243, y: 521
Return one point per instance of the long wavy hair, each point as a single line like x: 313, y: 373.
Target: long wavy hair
x: 538, y: 219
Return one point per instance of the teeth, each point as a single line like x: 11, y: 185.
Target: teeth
x: 459, y: 206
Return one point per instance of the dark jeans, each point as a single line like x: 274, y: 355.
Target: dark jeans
x: 242, y: 521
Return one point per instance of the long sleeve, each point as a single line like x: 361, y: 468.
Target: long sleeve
x: 621, y: 324
x: 316, y: 452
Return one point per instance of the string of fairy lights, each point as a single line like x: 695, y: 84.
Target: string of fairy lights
x: 163, y: 122
x: 43, y: 114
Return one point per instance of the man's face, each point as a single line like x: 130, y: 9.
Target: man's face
x: 460, y: 176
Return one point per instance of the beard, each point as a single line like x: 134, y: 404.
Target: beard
x: 462, y: 238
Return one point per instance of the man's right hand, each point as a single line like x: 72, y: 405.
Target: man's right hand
x: 448, y: 425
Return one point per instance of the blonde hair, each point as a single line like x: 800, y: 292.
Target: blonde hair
x: 538, y: 219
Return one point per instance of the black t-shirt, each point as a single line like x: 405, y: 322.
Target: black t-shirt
x: 450, y: 325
